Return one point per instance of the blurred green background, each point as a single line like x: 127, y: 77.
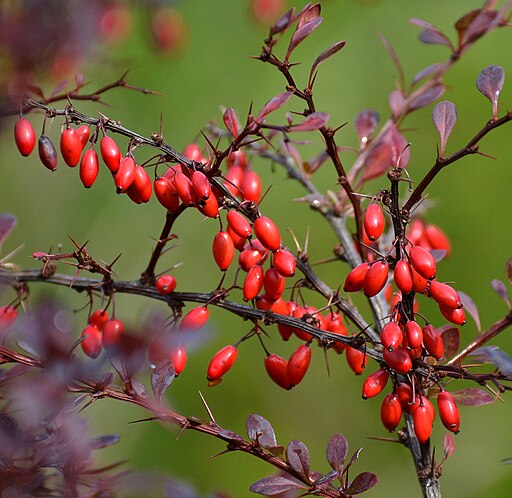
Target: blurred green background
x: 472, y: 204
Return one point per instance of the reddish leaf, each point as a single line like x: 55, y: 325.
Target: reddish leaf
x: 448, y: 445
x: 231, y: 121
x: 500, y: 288
x: 483, y: 22
x: 301, y: 34
x: 326, y: 478
x: 426, y: 97
x: 508, y: 270
x: 363, y: 482
x: 35, y: 90
x: 7, y: 223
x: 463, y: 23
x: 232, y: 436
x: 353, y: 458
x: 472, y: 396
x: 260, y: 431
x: 471, y: 309
x: 325, y: 55
x: 297, y: 455
x: 490, y: 83
x: 337, y: 449
x: 79, y: 80
x: 377, y: 161
x: 273, y: 104
x: 274, y: 485
x: 365, y: 124
x: 450, y: 336
x: 444, y: 117
x: 394, y: 58
x: 396, y: 102
x: 312, y: 13
x: 59, y: 88
x: 283, y: 22
x: 400, y: 152
x: 424, y: 73
x: 161, y: 378
x: 313, y: 121
x: 434, y: 37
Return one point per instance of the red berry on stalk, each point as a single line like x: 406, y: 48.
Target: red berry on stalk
x: 433, y: 342
x: 273, y: 283
x: 47, y: 153
x: 234, y: 178
x: 142, y: 184
x: 284, y: 262
x: 423, y: 262
x: 253, y: 282
x: 277, y: 370
x: 98, y: 319
x: 89, y: 168
x: 391, y: 336
x: 210, y: 207
x: 457, y: 316
x: 201, y: 185
x: 112, y: 334
x: 223, y: 250
x: 356, y: 360
x: 298, y: 364
x: 238, y: 158
x: 193, y: 152
x: 422, y: 423
x: 239, y: 224
x: 404, y: 392
x: 221, y: 363
x: 248, y: 258
x: 178, y: 356
x: 7, y: 316
x: 266, y: 11
x: 398, y: 360
x: 403, y: 276
x: 125, y: 174
x: 437, y: 238
x: 355, y: 279
x: 110, y: 153
x: 91, y: 343
x: 299, y: 312
x: 286, y: 331
x: 334, y: 323
x: 165, y: 284
x: 268, y: 233
x: 414, y: 334
x: 169, y: 30
x: 195, y: 319
x: 83, y: 133
x: 376, y: 278
x: 444, y: 295
x: 24, y: 136
x: 375, y: 383
x: 390, y: 411
x: 251, y: 186
x: 70, y: 147
x: 166, y: 194
x: 237, y: 240
x: 185, y: 190
x: 374, y: 221
x: 419, y: 283
x: 448, y: 411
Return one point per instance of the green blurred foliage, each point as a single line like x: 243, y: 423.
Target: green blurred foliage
x: 470, y: 202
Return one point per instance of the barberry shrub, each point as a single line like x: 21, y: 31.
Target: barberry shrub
x: 290, y: 239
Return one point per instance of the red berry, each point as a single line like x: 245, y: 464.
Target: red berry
x: 169, y: 29
x: 414, y: 334
x: 299, y: 312
x: 419, y: 283
x: 448, y: 411
x: 210, y: 207
x: 266, y: 11
x: 98, y: 319
x: 404, y: 393
x: 125, y: 174
x: 376, y: 278
x: 238, y: 158
x: 166, y: 194
x: 437, y: 238
x: 268, y: 233
x: 223, y: 250
x: 422, y: 423
x: 221, y: 363
x: 375, y: 383
x: 403, y: 276
x: 355, y: 279
x: 390, y: 411
x: 142, y: 184
x: 185, y: 190
x: 274, y: 284
x: 112, y: 333
x: 398, y: 360
x: 356, y: 360
x: 195, y: 319
x: 91, y: 342
x: 165, y: 284
x: 457, y: 316
x: 374, y: 221
x: 285, y: 330
x: 253, y: 282
x: 423, y: 401
x: 178, y: 356
x: 234, y: 177
x: 110, y: 153
x: 334, y: 323
x: 248, y: 258
x: 416, y: 232
x: 251, y: 186
x: 201, y: 185
x: 7, y: 316
x: 83, y: 133
x: 237, y: 240
x: 277, y: 370
x: 89, y: 168
x: 444, y: 295
x: 239, y: 224
x: 391, y: 336
x: 298, y: 364
x: 284, y: 262
x: 24, y: 136
x: 433, y: 342
x: 193, y: 152
x: 423, y: 262
x: 47, y: 153
x: 70, y: 147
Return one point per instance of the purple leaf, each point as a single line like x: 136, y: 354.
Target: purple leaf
x: 424, y: 73
x: 365, y: 124
x: 396, y: 102
x: 434, y: 37
x: 333, y: 474
x: 337, y: 449
x: 483, y: 22
x: 501, y: 359
x: 283, y: 22
x: 79, y: 80
x: 353, y: 458
x: 471, y: 308
x: 444, y: 117
x: 426, y: 97
x: 7, y: 223
x: 313, y: 121
x: 231, y: 121
x: 301, y: 34
x: 438, y: 254
x: 464, y: 22
x: 450, y: 336
x: 274, y: 485
x: 273, y: 104
x: 161, y: 378
x: 400, y: 152
x: 500, y: 288
x: 260, y: 431
x: 104, y: 441
x: 363, y: 482
x: 297, y: 455
x: 448, y: 445
x: 394, y: 58
x: 59, y: 88
x: 490, y: 82
x: 472, y: 396
x: 36, y: 90
x: 232, y: 436
x: 309, y: 14
x: 377, y: 161
x: 325, y: 55
x: 508, y: 270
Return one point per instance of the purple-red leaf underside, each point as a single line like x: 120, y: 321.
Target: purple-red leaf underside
x: 444, y: 116
x: 273, y: 104
x: 274, y: 485
x: 473, y: 396
x: 301, y: 34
